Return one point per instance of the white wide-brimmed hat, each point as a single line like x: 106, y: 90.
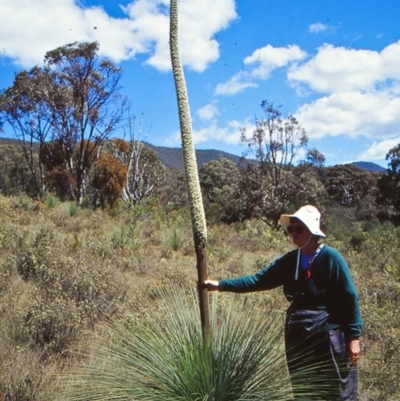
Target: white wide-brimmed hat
x: 309, y: 215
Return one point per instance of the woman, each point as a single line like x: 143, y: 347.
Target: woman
x: 323, y: 322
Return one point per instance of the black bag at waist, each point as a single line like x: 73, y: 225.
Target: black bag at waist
x: 309, y: 320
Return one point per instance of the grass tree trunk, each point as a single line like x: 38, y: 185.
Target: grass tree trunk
x: 192, y: 178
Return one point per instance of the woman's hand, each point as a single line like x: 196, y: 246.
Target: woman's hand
x: 211, y: 285
x: 354, y: 350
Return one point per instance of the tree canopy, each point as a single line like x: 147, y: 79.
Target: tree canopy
x: 269, y: 179
x: 389, y: 186
x: 73, y: 101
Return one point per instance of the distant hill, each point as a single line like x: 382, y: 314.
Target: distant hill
x: 376, y: 168
x: 173, y: 158
x: 169, y: 157
x: 8, y: 141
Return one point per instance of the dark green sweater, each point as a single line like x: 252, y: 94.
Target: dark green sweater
x: 329, y: 288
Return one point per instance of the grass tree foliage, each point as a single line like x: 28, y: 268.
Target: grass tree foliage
x: 159, y: 353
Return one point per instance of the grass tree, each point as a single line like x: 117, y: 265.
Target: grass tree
x: 192, y: 177
x: 158, y: 352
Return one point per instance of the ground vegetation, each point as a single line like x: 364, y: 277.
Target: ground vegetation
x: 74, y: 278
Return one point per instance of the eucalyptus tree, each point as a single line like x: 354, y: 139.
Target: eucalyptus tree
x: 73, y: 101
x: 222, y: 192
x: 268, y: 177
x: 388, y: 196
x: 192, y: 178
x: 88, y: 86
x: 214, y: 175
x: 23, y: 108
x: 347, y: 184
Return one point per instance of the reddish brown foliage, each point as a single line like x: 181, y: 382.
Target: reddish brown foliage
x: 109, y: 179
x: 121, y: 145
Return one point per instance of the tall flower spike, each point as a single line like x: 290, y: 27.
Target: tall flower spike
x: 192, y: 176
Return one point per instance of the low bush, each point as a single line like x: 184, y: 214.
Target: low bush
x: 72, y: 292
x: 22, y: 374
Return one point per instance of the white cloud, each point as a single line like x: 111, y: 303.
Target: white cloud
x: 390, y: 57
x: 379, y: 150
x: 28, y: 29
x: 208, y: 112
x: 335, y: 69
x: 174, y: 139
x: 199, y: 21
x: 353, y: 114
x: 262, y: 62
x: 236, y: 84
x: 229, y: 134
x: 362, y: 90
x: 269, y: 58
x: 317, y: 27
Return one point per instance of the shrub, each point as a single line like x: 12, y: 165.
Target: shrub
x: 73, y: 208
x: 54, y: 325
x: 380, y: 247
x: 174, y: 239
x: 127, y: 238
x: 109, y: 179
x: 356, y: 240
x: 21, y: 374
x: 379, y: 290
x: 51, y: 201
x: 72, y: 293
x: 340, y: 224
x: 50, y: 263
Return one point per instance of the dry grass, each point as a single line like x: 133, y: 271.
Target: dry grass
x: 120, y: 254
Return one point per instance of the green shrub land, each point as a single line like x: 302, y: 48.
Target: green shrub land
x: 99, y: 304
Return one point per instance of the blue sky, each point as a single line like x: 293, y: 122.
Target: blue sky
x: 334, y: 64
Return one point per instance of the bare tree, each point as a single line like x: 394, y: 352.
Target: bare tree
x: 144, y: 169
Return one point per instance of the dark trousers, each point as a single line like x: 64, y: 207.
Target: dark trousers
x: 318, y: 366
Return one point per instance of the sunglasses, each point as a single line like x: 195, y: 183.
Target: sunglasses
x: 295, y: 229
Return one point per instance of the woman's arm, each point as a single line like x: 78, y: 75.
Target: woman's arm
x: 271, y: 276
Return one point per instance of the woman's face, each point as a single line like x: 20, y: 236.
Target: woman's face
x: 299, y: 232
